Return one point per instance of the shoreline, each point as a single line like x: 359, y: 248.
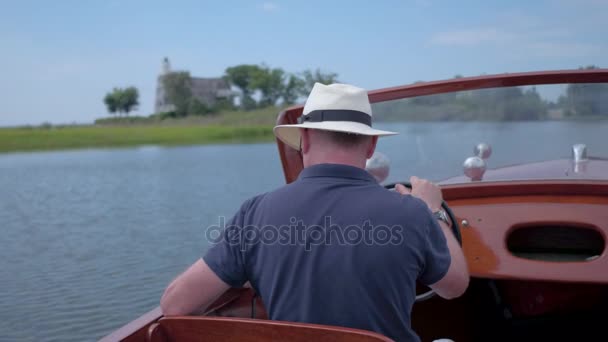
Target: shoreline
x: 15, y: 140
x: 234, y: 128
x: 228, y: 127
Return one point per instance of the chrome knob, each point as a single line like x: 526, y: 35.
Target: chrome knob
x: 579, y: 152
x: 378, y: 166
x: 483, y: 150
x: 474, y: 168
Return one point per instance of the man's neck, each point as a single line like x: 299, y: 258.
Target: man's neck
x: 337, y: 159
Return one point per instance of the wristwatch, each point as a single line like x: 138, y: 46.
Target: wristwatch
x: 442, y: 216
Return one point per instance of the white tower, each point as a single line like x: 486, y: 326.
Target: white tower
x: 166, y: 66
x: 160, y: 104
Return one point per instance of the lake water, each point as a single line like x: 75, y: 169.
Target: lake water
x: 90, y: 238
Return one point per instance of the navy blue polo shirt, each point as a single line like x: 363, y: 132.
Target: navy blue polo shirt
x: 334, y: 247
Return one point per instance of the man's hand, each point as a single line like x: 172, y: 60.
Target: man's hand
x: 425, y: 190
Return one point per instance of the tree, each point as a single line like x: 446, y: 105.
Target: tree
x: 585, y: 99
x: 178, y: 91
x: 122, y: 100
x: 242, y: 76
x: 273, y: 84
x: 310, y: 78
x: 111, y: 101
x: 196, y: 107
x: 129, y: 100
x: 293, y: 88
x: 526, y: 106
x: 270, y: 83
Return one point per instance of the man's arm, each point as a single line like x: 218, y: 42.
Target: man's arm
x: 194, y: 289
x: 456, y: 280
x: 222, y: 267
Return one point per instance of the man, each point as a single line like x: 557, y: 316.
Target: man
x: 348, y: 252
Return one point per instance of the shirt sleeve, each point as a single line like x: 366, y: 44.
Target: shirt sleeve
x: 226, y: 257
x: 436, y: 254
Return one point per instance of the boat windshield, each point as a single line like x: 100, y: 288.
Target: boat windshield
x: 497, y: 134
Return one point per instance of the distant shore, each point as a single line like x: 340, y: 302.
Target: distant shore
x: 228, y: 127
x: 78, y: 137
x: 222, y: 128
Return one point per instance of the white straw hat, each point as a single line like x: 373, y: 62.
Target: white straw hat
x: 335, y: 107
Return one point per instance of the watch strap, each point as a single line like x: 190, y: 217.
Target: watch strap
x: 442, y: 216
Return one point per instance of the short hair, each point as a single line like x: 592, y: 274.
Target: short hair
x: 344, y: 139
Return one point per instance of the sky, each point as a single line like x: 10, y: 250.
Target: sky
x: 59, y: 58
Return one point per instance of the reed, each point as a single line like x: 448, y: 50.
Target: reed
x: 95, y: 136
x: 226, y: 127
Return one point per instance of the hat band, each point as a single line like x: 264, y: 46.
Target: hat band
x: 337, y: 115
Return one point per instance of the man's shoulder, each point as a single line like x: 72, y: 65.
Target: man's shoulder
x: 257, y: 200
x: 405, y: 203
x: 253, y: 202
x: 404, y: 208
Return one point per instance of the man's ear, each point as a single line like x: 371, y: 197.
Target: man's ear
x: 372, y: 147
x: 304, y: 140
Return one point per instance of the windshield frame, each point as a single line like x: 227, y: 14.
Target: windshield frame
x: 291, y: 159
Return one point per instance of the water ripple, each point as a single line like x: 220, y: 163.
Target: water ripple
x: 91, y: 238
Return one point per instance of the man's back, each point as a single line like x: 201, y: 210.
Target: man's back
x: 335, y: 248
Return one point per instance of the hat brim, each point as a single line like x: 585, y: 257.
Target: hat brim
x: 290, y: 134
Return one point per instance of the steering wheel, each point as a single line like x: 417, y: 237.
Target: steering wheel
x: 455, y: 229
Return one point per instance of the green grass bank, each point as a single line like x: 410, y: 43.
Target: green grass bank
x: 38, y: 139
x: 228, y: 127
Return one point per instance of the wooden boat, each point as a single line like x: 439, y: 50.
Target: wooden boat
x: 534, y: 236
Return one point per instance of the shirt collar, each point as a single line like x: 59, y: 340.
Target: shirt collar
x: 336, y: 171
